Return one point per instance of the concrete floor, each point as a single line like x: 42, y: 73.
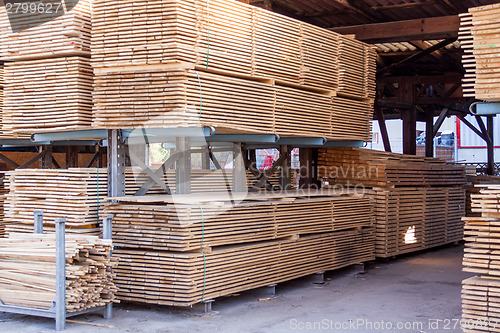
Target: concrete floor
x: 421, y: 291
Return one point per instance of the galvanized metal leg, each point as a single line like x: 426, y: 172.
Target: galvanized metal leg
x: 60, y: 274
x: 107, y: 233
x: 239, y: 171
x: 38, y: 222
x: 116, y: 164
x: 286, y: 172
x: 183, y: 170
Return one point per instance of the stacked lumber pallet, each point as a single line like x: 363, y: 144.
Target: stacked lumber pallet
x: 28, y: 271
x: 419, y: 202
x: 74, y: 194
x: 481, y: 257
x: 479, y: 37
x: 48, y: 93
x: 353, y: 166
x: 156, y: 96
x: 228, y: 65
x: 410, y: 219
x: 472, y: 189
x: 48, y: 79
x: 189, y: 227
x: 209, y: 247
x: 480, y: 299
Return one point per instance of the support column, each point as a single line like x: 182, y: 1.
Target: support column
x: 286, y: 168
x: 308, y: 168
x: 383, y: 129
x: 429, y: 134
x: 491, y: 146
x: 183, y: 170
x: 239, y: 170
x: 116, y: 164
x: 46, y: 161
x: 60, y: 274
x: 72, y: 157
x: 205, y: 161
x: 410, y: 131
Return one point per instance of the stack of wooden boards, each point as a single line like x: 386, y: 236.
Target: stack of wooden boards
x: 472, y: 188
x: 74, y: 194
x: 48, y: 77
x: 3, y: 193
x: 419, y: 202
x: 77, y: 194
x: 182, y: 251
x: 479, y: 33
x: 229, y: 65
x: 28, y: 271
x: 480, y: 293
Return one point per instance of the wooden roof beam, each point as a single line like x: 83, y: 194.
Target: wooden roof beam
x: 404, y: 31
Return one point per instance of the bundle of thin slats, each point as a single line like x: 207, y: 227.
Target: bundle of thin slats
x: 187, y: 278
x: 43, y: 33
x: 74, y: 194
x: 230, y: 36
x: 3, y: 192
x: 483, y: 83
x: 171, y: 96
x: 416, y: 218
x: 480, y: 305
x: 482, y: 256
x: 201, y: 181
x: 356, y: 166
x: 28, y: 271
x: 187, y: 227
x: 54, y: 93
x: 468, y: 60
x: 471, y: 188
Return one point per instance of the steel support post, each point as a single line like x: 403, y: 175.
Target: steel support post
x: 116, y: 164
x: 286, y: 168
x: 60, y: 274
x: 38, y: 222
x: 239, y: 170
x: 183, y: 170
x: 107, y: 233
x: 491, y: 146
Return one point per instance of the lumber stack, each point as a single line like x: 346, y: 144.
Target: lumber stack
x: 48, y: 93
x: 74, y: 194
x: 48, y: 79
x: 28, y: 271
x: 418, y: 202
x: 480, y: 299
x: 177, y: 97
x: 189, y: 227
x: 207, y: 249
x: 411, y: 219
x: 472, y: 188
x: 482, y: 258
x: 228, y: 65
x: 479, y: 37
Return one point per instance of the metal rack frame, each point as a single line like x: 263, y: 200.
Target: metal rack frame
x: 58, y: 308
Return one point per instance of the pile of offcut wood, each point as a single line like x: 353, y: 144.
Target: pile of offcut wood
x: 215, y: 248
x: 482, y: 257
x: 229, y: 65
x: 48, y: 79
x: 28, y: 271
x: 419, y: 202
x: 479, y: 37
